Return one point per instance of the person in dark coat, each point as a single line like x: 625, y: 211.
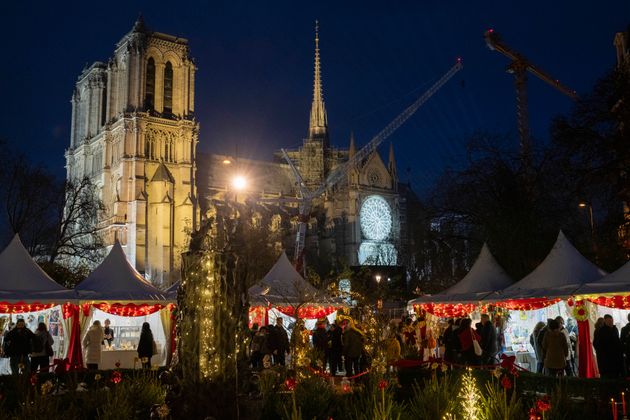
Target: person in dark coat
x: 352, y: 349
x: 451, y: 342
x: 257, y: 347
x: 488, y: 340
x: 625, y: 344
x: 40, y: 357
x: 278, y: 341
x: 336, y: 348
x: 19, y: 341
x: 539, y: 340
x: 146, y: 345
x: 609, y: 350
x: 320, y: 342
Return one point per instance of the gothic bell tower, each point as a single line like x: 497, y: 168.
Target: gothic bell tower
x: 135, y: 135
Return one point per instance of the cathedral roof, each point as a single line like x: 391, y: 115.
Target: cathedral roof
x: 163, y: 174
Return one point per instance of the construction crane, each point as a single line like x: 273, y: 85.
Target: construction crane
x: 306, y: 196
x: 519, y: 66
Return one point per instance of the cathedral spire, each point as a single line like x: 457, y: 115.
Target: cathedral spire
x: 318, y: 127
x: 352, y: 150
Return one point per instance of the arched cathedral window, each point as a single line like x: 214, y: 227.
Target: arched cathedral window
x: 149, y: 88
x: 168, y: 88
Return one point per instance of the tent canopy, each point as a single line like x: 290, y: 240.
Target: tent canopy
x: 21, y: 279
x: 485, y: 276
x: 615, y: 282
x: 282, y: 285
x: 562, y: 271
x: 116, y: 280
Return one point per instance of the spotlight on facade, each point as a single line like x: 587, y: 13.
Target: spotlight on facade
x: 239, y: 182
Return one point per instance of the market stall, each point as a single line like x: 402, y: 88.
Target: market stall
x: 27, y: 292
x: 541, y: 295
x: 485, y: 277
x: 116, y: 291
x: 283, y: 291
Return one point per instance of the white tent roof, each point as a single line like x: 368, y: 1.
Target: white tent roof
x: 616, y: 282
x: 21, y: 279
x: 116, y: 280
x: 485, y: 277
x: 559, y: 275
x: 283, y: 285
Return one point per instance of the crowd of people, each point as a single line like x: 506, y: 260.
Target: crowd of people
x: 27, y: 351
x: 338, y: 346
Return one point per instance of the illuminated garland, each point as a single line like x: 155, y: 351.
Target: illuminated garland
x: 446, y: 310
x: 129, y: 309
x: 469, y: 396
x: 307, y: 312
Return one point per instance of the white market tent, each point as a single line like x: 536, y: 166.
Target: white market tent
x: 115, y: 279
x: 615, y: 282
x: 282, y: 285
x: 560, y: 274
x: 485, y: 276
x: 22, y: 280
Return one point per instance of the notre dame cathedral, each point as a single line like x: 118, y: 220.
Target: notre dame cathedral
x: 134, y: 134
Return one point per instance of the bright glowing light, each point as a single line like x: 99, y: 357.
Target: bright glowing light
x: 378, y: 279
x: 582, y: 204
x: 227, y: 161
x: 239, y: 182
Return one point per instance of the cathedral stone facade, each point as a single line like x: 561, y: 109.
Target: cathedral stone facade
x: 356, y: 222
x: 133, y: 133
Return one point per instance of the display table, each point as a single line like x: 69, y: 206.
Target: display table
x: 125, y: 357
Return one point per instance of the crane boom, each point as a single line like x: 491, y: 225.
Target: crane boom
x: 519, y: 66
x: 341, y: 171
x: 494, y: 42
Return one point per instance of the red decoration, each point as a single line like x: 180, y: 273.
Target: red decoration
x: 129, y: 309
x: 586, y: 365
x: 33, y: 379
x: 290, y: 383
x: 618, y: 301
x: 308, y: 312
x: 528, y: 304
x: 116, y: 377
x: 506, y: 383
x: 543, y: 405
x: 21, y: 307
x: 382, y: 384
x: 446, y: 310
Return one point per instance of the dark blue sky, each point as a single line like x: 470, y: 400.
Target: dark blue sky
x: 254, y: 81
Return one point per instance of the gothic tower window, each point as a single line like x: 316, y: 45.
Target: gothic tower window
x: 149, y: 88
x: 168, y: 88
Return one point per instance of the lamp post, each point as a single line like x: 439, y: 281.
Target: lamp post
x: 589, y: 206
x: 378, y: 291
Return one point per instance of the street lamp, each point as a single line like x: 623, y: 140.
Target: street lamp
x: 378, y: 279
x: 583, y: 205
x: 239, y: 182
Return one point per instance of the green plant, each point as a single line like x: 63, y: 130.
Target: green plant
x: 495, y: 404
x: 433, y: 398
x: 373, y: 403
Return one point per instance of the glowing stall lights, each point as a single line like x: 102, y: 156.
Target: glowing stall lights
x: 528, y: 304
x: 446, y: 310
x: 129, y: 309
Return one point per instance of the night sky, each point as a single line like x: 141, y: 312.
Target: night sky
x: 255, y: 59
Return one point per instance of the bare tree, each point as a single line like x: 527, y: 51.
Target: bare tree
x: 76, y: 236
